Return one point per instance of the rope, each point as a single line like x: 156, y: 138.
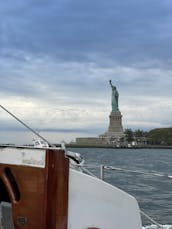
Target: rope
x: 159, y: 226
x: 24, y: 124
x: 136, y: 171
x: 83, y: 168
x: 129, y: 171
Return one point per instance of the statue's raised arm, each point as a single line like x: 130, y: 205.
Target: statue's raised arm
x: 110, y: 81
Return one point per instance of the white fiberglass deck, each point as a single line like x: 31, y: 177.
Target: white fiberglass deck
x: 94, y: 203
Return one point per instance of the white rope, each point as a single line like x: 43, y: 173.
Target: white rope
x: 140, y: 172
x: 152, y: 220
x: 130, y: 171
x: 87, y: 171
x: 91, y: 166
x: 83, y: 168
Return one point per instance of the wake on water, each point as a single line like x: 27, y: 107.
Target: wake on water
x: 156, y: 227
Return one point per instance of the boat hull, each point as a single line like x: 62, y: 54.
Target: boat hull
x: 46, y: 194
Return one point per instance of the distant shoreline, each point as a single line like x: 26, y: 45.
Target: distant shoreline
x: 120, y: 147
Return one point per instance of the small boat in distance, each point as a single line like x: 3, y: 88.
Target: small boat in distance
x: 39, y: 143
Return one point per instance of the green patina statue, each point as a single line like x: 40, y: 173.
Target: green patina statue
x: 115, y: 96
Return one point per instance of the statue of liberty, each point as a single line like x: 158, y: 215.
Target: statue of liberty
x: 115, y: 96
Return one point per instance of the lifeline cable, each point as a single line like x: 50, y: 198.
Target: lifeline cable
x: 33, y: 131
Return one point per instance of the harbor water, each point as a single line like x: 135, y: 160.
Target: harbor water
x: 144, y: 173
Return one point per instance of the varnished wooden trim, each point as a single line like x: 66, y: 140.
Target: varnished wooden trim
x: 57, y: 170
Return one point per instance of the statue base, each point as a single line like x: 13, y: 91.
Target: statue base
x: 115, y: 130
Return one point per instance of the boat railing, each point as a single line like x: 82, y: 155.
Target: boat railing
x: 104, y: 168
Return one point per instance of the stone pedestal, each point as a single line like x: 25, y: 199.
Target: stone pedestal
x: 115, y: 129
x: 115, y: 122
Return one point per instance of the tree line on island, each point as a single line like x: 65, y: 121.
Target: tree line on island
x: 158, y: 136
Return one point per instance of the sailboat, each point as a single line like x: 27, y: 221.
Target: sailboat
x: 44, y: 192
x: 46, y: 188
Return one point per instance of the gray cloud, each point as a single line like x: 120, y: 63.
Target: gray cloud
x: 57, y: 57
x: 127, y: 31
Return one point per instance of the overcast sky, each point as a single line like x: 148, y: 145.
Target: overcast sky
x: 57, y: 56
